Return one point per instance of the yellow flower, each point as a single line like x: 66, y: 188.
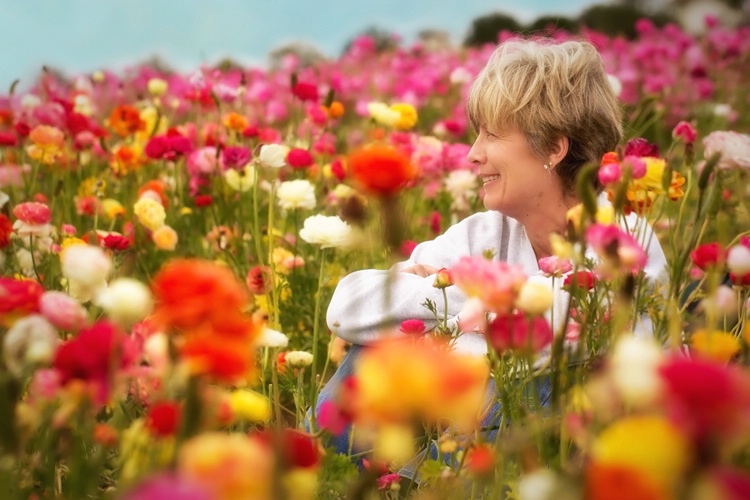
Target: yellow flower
x: 150, y: 213
x: 394, y: 444
x: 140, y: 452
x: 561, y: 247
x: 383, y: 115
x: 126, y: 158
x: 300, y: 483
x: 165, y: 238
x: 715, y: 344
x: 69, y: 242
x: 92, y: 186
x: 157, y: 87
x: 534, y: 298
x: 47, y: 143
x: 249, y: 405
x: 149, y: 116
x: 112, y: 208
x: 408, y: 115
x: 240, y: 180
x: 650, y: 445
x: 186, y: 211
x: 605, y: 215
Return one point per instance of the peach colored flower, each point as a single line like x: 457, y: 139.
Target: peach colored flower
x: 165, y: 238
x: 495, y: 283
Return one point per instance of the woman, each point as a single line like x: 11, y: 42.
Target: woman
x: 541, y: 111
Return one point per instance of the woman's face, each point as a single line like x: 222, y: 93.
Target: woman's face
x: 515, y: 180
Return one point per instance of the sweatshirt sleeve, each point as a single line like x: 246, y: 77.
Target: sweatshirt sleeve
x: 365, y: 302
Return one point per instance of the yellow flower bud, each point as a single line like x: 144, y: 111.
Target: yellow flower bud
x: 249, y: 405
x: 157, y: 87
x: 534, y: 298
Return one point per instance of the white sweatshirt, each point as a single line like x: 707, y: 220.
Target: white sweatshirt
x: 365, y: 302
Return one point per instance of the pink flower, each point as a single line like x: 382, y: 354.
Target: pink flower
x: 235, y: 157
x: 609, y: 173
x: 386, y: 480
x: 516, y: 332
x: 412, y: 327
x: 684, y: 132
x: 45, y: 384
x: 202, y: 161
x: 32, y: 212
x: 473, y: 316
x: 63, y: 311
x: 555, y: 266
x: 635, y: 165
x: 612, y: 243
x: 494, y: 283
x: 733, y: 147
x: 12, y: 175
x: 332, y: 418
x: 407, y: 247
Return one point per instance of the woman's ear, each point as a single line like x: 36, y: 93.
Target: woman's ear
x: 559, y: 150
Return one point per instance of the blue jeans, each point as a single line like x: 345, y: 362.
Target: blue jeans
x: 490, y: 422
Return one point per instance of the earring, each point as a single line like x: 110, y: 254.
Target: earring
x: 546, y: 167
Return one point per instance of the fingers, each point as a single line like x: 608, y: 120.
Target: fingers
x: 421, y: 270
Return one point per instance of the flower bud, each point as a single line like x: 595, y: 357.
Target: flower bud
x: 126, y: 301
x: 738, y: 260
x: 298, y: 359
x: 443, y: 279
x: 534, y: 298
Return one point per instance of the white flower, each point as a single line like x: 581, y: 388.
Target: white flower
x: 30, y: 101
x: 535, y: 297
x: 738, y: 260
x: 460, y: 76
x: 461, y: 183
x: 296, y: 194
x: 31, y: 340
x: 85, y: 264
x: 541, y: 484
x: 26, y: 261
x: 298, y: 359
x: 125, y: 301
x: 240, y: 180
x: 273, y: 155
x: 271, y: 338
x: 24, y: 230
x: 383, y: 114
x: 733, y: 147
x: 85, y: 293
x: 327, y: 231
x: 616, y: 85
x: 634, y: 369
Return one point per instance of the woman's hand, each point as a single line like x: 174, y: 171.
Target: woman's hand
x: 421, y: 270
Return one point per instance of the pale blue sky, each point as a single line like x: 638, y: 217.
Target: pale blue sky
x: 85, y: 35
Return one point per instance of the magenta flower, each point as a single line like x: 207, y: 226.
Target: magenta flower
x: 641, y: 147
x: 235, y: 157
x: 332, y: 418
x: 684, y: 132
x: 609, y: 173
x: 412, y: 327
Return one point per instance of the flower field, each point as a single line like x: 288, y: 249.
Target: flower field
x: 169, y: 244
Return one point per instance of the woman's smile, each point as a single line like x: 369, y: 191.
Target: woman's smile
x: 486, y: 179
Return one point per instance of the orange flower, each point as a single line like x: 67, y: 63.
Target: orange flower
x: 125, y: 159
x: 158, y: 187
x: 126, y: 120
x: 204, y: 303
x: 614, y: 482
x: 381, y: 169
x: 235, y: 121
x: 47, y: 143
x: 335, y: 110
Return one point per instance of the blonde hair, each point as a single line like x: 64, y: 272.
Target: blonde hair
x: 548, y: 90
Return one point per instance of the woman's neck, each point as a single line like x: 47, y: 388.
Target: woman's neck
x: 543, y: 220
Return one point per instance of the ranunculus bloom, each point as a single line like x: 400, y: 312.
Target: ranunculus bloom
x: 715, y: 345
x: 18, y: 298
x: 298, y: 193
x: 517, y: 332
x: 30, y: 341
x: 733, y: 147
x: 534, y: 297
x: 616, y: 248
x: 165, y: 238
x: 495, y: 283
x: 258, y: 280
x: 709, y: 255
x: 63, y: 311
x: 87, y: 265
x: 609, y: 173
x: 235, y: 157
x: 555, y: 266
x: 32, y: 212
x: 326, y: 231
x: 149, y: 212
x: 299, y: 158
x: 126, y: 301
x: 163, y: 418
x: 126, y: 120
x: 305, y: 91
x: 116, y: 242
x: 272, y: 155
x: 94, y: 356
x: 412, y: 327
x: 641, y: 147
x: 738, y: 260
x: 685, y: 132
x: 381, y: 169
x: 6, y: 229
x: 585, y: 280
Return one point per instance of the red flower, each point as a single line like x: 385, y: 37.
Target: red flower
x: 258, y: 280
x: 685, y: 132
x: 18, y: 298
x: 163, y: 418
x: 337, y: 169
x: 126, y: 120
x: 480, y: 460
x: 305, y: 91
x: 709, y: 255
x: 32, y: 212
x: 407, y: 247
x: 8, y: 138
x: 299, y: 158
x: 22, y: 129
x: 332, y: 418
x: 6, y: 228
x: 203, y: 200
x: 516, y: 332
x: 585, y: 280
x: 435, y: 221
x: 641, y: 147
x: 94, y: 356
x: 116, y: 242
x: 251, y: 131
x: 297, y: 448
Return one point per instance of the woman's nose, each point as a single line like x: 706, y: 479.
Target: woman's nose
x: 476, y: 153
